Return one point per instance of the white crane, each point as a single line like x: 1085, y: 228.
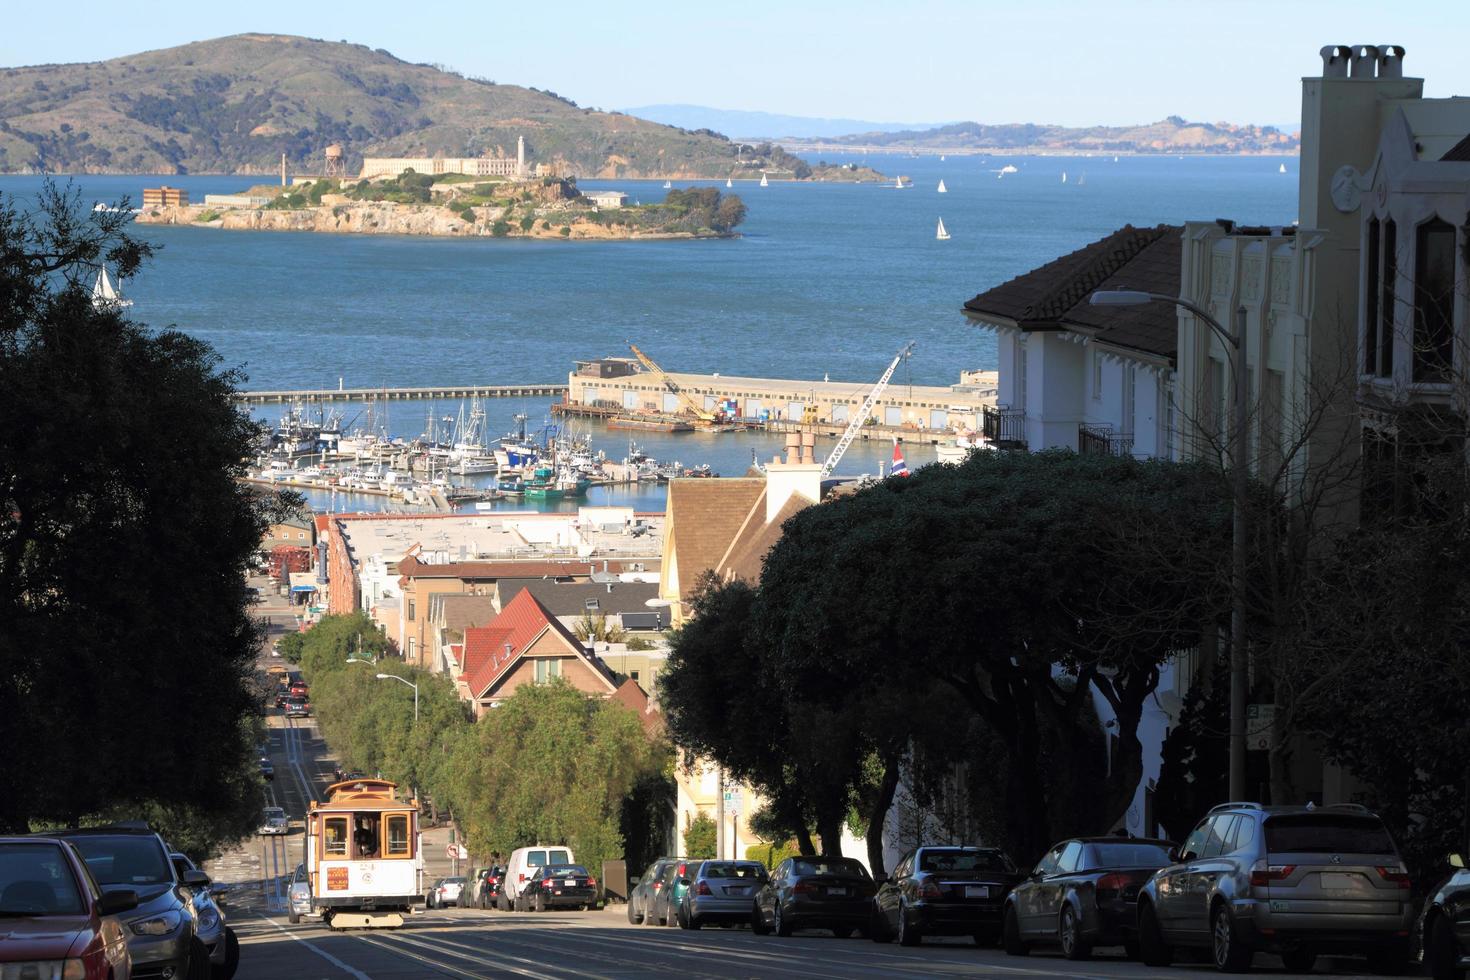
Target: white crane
x: 855, y: 424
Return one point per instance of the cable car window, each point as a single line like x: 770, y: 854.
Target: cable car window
x: 334, y: 837
x: 398, y: 835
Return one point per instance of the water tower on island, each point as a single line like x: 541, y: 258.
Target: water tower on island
x: 336, y: 165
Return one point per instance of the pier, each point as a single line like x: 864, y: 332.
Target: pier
x: 428, y: 393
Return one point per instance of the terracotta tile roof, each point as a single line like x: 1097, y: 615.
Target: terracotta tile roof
x: 1054, y: 296
x: 704, y: 518
x: 631, y: 695
x: 747, y: 552
x: 1459, y: 153
x: 521, y: 622
x: 456, y: 653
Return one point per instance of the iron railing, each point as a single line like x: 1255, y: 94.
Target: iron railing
x: 1003, y: 427
x: 1101, y: 439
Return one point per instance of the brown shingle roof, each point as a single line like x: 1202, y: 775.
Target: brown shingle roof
x: 411, y: 567
x: 749, y: 551
x: 570, y: 598
x: 705, y: 516
x: 1459, y: 153
x: 1054, y: 296
x: 460, y: 612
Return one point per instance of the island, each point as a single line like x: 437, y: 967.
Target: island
x: 458, y: 205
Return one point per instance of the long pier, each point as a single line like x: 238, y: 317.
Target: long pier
x: 431, y: 393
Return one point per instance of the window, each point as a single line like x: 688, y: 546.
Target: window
x: 1243, y: 837
x: 633, y: 674
x: 546, y: 670
x: 334, y: 837
x: 1194, y: 844
x: 1385, y: 304
x: 1370, y: 302
x: 1221, y: 828
x: 398, y: 844
x: 1051, y: 862
x: 1327, y: 833
x: 1097, y: 371
x: 411, y: 605
x: 1071, y: 858
x: 1434, y: 301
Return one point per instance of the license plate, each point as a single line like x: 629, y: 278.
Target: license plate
x: 738, y: 890
x: 977, y: 891
x: 1337, y: 881
x: 1277, y: 906
x: 569, y: 883
x: 837, y: 891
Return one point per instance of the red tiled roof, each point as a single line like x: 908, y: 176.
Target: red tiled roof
x: 482, y: 644
x: 631, y: 695
x: 456, y: 653
x: 1055, y: 295
x: 520, y: 623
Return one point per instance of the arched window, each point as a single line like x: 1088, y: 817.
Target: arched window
x: 1434, y: 301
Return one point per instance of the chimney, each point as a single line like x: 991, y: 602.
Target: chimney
x: 799, y: 476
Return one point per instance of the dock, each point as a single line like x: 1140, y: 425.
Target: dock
x: 427, y: 393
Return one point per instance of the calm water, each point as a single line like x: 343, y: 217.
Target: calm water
x: 826, y: 280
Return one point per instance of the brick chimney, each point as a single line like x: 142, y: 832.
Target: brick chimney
x: 799, y: 475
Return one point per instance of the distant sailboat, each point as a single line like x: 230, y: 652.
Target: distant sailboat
x: 1282, y: 170
x: 941, y: 188
x: 764, y: 182
x: 941, y: 234
x: 1008, y: 169
x: 1081, y: 179
x: 1064, y: 176
x: 105, y: 295
x: 898, y: 183
x: 728, y: 182
x: 1115, y: 159
x: 667, y: 185
x: 941, y: 158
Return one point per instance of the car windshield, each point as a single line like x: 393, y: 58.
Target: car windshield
x: 564, y: 870
x: 1327, y: 833
x: 957, y: 861
x: 272, y: 812
x: 124, y: 860
x: 1126, y: 855
x: 829, y: 866
x: 732, y: 869
x: 36, y: 879
x: 454, y: 881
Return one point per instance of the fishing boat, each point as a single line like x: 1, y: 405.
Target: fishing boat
x: 105, y: 295
x: 547, y: 483
x: 510, y: 486
x: 942, y: 189
x: 764, y: 182
x: 941, y: 234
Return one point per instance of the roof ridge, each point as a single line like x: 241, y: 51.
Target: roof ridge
x: 1096, y: 263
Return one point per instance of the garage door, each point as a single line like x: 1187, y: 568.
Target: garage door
x: 630, y: 398
x: 671, y: 402
x: 938, y: 418
x: 590, y: 395
x: 795, y: 410
x: 753, y: 408
x: 841, y: 413
x: 893, y: 415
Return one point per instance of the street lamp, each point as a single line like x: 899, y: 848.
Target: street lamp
x: 401, y: 680
x: 1239, y: 663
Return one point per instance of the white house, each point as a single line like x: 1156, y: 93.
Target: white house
x: 606, y: 199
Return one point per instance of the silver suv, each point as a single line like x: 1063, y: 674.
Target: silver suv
x: 1291, y: 880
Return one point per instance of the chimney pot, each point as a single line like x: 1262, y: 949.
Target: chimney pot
x: 1390, y: 61
x: 1365, y: 61
x: 1335, y: 60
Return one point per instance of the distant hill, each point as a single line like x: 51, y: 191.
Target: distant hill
x: 235, y: 104
x: 742, y: 124
x: 1171, y: 135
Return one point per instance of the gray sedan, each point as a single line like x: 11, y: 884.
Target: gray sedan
x: 720, y: 891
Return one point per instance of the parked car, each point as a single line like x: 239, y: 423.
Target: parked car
x: 487, y: 887
x: 665, y: 906
x: 1291, y: 880
x: 273, y: 821
x: 1444, y: 925
x: 213, y: 931
x: 55, y: 914
x: 446, y: 892
x: 814, y: 893
x: 719, y: 891
x: 267, y: 769
x: 558, y: 885
x: 645, y: 889
x: 522, y: 864
x: 298, y: 900
x: 432, y: 893
x: 162, y: 929
x: 944, y: 891
x: 298, y: 707
x: 1083, y: 894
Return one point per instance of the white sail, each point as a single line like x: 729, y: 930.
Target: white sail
x: 941, y: 188
x: 898, y: 182
x: 729, y: 183
x: 1064, y: 176
x: 667, y: 185
x: 764, y: 182
x: 1115, y: 159
x: 104, y: 294
x: 940, y: 233
x: 1283, y: 169
x: 941, y: 158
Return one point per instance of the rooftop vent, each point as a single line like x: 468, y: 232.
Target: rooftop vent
x: 1363, y: 61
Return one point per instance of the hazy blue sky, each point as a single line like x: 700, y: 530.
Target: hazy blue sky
x: 1059, y: 61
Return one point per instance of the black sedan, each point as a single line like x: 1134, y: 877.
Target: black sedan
x: 1444, y: 925
x: 1083, y: 894
x: 558, y: 885
x: 814, y: 893
x: 944, y: 891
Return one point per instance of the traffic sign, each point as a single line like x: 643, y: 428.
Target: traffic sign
x: 451, y: 851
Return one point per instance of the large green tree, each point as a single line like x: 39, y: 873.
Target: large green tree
x: 127, y: 648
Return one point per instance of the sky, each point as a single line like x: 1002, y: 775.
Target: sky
x: 1064, y: 62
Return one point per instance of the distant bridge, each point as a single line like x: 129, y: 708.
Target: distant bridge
x: 431, y: 393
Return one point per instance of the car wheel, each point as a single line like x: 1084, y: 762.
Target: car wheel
x: 1152, y: 949
x: 907, y: 935
x: 693, y: 922
x: 783, y: 924
x: 540, y: 901
x: 758, y: 921
x: 293, y: 918
x: 502, y: 903
x: 878, y: 926
x: 1299, y: 960
x: 1231, y: 956
x: 634, y: 916
x: 1074, y: 945
x: 226, y: 970
x: 1010, y: 934
x: 1441, y: 957
x: 199, y: 966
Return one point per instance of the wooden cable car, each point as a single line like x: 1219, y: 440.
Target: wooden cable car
x: 364, y: 855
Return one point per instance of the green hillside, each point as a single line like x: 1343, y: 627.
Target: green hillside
x: 235, y: 104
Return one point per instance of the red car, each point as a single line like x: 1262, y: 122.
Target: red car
x: 52, y: 912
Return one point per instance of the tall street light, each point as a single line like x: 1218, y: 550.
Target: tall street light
x: 1239, y: 662
x: 401, y: 680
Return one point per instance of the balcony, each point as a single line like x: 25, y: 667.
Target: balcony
x: 1101, y: 439
x: 1004, y: 428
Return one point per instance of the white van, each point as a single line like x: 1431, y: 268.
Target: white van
x: 522, y: 866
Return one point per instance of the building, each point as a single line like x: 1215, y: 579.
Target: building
x: 606, y: 199
x: 236, y: 200
x: 164, y: 197
x: 450, y: 614
x: 484, y: 166
x: 298, y: 530
x: 601, y: 597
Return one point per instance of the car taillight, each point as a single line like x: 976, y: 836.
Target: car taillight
x: 803, y: 888
x: 928, y: 889
x: 703, y: 888
x: 658, y: 885
x: 591, y: 882
x: 1109, y: 884
x: 1262, y: 874
x: 1397, y: 875
x: 523, y: 877
x: 683, y: 870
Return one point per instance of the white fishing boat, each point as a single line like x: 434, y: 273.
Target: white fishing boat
x: 941, y: 188
x: 1282, y: 170
x: 764, y: 182
x: 1008, y: 169
x: 668, y: 184
x: 105, y: 294
x: 940, y: 233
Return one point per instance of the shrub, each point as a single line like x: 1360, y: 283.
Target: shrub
x: 565, y: 231
x: 699, y: 838
x: 528, y: 222
x: 210, y: 215
x: 500, y: 229
x: 772, y: 854
x: 546, y: 226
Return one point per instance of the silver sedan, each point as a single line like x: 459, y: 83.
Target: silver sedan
x: 720, y: 891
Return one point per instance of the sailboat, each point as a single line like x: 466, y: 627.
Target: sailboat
x: 1115, y: 159
x: 1064, y: 176
x: 1282, y: 170
x: 941, y: 188
x: 667, y: 185
x: 729, y: 182
x: 940, y: 233
x: 764, y: 182
x: 941, y: 158
x: 898, y: 183
x: 105, y: 295
x: 1081, y: 179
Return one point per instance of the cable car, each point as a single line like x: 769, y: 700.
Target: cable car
x: 364, y: 855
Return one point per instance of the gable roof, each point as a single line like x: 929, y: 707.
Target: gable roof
x: 1055, y: 296
x: 631, y: 695
x: 1459, y: 153
x: 570, y: 598
x: 521, y: 622
x: 461, y: 611
x: 748, y: 551
x: 704, y: 518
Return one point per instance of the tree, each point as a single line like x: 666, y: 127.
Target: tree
x: 125, y: 537
x: 699, y: 838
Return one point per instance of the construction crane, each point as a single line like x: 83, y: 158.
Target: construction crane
x: 695, y: 408
x: 856, y: 423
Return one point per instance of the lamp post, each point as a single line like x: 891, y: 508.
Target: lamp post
x: 1239, y: 662
x: 401, y: 680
